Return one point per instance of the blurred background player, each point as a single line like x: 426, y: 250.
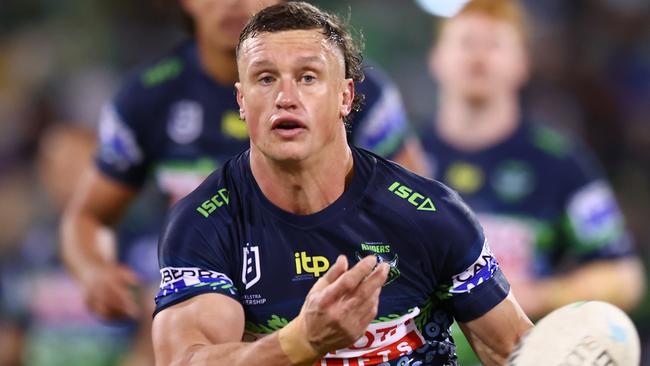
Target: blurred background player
x: 176, y: 121
x: 547, y: 211
x: 45, y: 320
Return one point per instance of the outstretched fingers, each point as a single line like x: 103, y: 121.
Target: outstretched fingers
x: 346, y: 302
x: 374, y: 281
x: 369, y: 289
x: 335, y: 271
x: 349, y: 281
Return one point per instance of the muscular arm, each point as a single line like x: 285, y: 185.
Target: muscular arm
x: 88, y: 246
x: 495, y: 334
x: 207, y: 329
x: 620, y: 282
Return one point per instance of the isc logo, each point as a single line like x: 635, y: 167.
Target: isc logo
x: 315, y: 265
x: 218, y: 200
x: 422, y: 203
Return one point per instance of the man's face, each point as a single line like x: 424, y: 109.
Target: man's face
x: 221, y: 21
x: 293, y: 93
x: 477, y: 56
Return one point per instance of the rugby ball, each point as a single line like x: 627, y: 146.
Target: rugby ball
x: 582, y: 333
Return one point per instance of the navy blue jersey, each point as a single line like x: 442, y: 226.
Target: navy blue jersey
x: 176, y: 124
x: 226, y: 237
x: 539, y: 196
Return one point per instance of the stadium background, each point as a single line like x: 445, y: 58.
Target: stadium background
x: 591, y: 77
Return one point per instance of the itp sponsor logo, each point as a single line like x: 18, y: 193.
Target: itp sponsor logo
x: 315, y: 265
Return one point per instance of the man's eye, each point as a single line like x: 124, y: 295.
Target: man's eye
x: 308, y: 78
x: 266, y: 80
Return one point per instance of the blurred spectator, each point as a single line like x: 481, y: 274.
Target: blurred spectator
x: 549, y: 215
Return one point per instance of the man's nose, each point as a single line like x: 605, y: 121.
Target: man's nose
x: 287, y: 95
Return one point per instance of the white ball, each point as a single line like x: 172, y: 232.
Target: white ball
x: 583, y: 333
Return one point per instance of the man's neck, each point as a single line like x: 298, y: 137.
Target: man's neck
x: 219, y: 64
x: 475, y: 126
x: 304, y: 187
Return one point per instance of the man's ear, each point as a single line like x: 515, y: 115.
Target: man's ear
x: 240, y: 101
x: 348, y: 98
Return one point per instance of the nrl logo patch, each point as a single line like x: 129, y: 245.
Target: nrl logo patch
x: 251, y: 272
x: 185, y: 122
x: 384, y: 255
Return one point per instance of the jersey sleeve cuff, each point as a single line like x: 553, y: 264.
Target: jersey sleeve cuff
x: 163, y: 303
x: 480, y: 300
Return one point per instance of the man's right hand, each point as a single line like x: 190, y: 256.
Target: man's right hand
x: 110, y: 291
x: 208, y: 329
x: 341, y: 305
